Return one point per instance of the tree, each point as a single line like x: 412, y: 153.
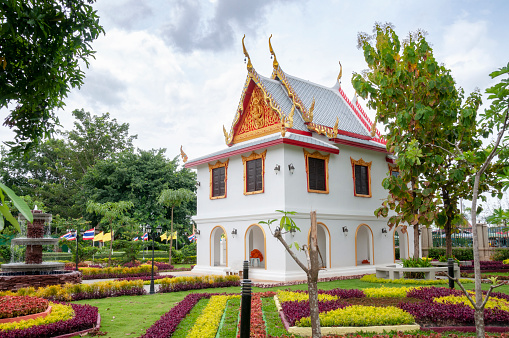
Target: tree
x: 423, y: 113
x: 287, y: 224
x: 18, y: 203
x: 139, y: 177
x: 113, y: 214
x: 42, y: 44
x: 52, y: 169
x: 499, y: 217
x: 174, y: 198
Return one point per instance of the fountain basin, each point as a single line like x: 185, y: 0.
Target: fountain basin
x: 23, y: 267
x: 34, y: 241
x: 16, y: 280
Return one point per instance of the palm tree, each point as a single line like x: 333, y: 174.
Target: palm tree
x: 173, y: 198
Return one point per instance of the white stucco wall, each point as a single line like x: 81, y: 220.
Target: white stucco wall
x: 287, y: 191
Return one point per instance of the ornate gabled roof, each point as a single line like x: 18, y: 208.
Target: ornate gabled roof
x: 270, y: 105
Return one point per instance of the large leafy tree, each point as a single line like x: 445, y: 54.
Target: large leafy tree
x: 173, y: 198
x: 51, y: 170
x: 424, y: 117
x: 43, y: 44
x: 139, y: 177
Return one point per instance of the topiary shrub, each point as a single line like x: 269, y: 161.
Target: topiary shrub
x: 500, y: 254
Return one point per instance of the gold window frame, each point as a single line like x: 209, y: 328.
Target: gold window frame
x: 218, y: 164
x: 362, y: 163
x: 254, y: 156
x: 317, y: 155
x: 393, y: 168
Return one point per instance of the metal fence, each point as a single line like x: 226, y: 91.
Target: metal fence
x: 498, y: 238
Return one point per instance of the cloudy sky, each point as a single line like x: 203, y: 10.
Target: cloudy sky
x: 174, y: 69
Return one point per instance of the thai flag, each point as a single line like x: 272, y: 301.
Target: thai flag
x: 67, y: 235
x: 89, y: 234
x: 191, y: 237
x: 72, y: 237
x: 144, y: 237
x: 135, y: 239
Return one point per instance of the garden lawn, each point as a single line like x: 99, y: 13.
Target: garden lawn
x: 134, y: 314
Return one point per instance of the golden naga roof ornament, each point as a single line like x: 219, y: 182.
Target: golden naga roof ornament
x: 290, y: 116
x: 311, y: 109
x: 335, y: 129
x: 226, y: 136
x: 340, y: 72
x: 183, y: 154
x: 249, y: 64
x: 275, y: 64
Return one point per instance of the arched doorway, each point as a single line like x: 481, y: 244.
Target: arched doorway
x: 400, y: 240
x: 254, y: 239
x: 218, y: 247
x: 364, y: 247
x: 324, y: 244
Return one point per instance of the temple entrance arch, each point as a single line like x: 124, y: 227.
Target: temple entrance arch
x: 218, y: 247
x: 400, y: 240
x: 364, y: 245
x: 324, y: 244
x: 254, y: 239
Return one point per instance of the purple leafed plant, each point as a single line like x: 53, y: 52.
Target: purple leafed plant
x: 196, y: 286
x: 85, y: 318
x: 145, y: 278
x: 344, y: 293
x: 296, y: 310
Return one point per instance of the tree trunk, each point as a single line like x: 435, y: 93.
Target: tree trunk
x: 416, y: 241
x: 171, y: 236
x: 313, y: 280
x: 448, y: 223
x: 111, y: 247
x: 479, y: 311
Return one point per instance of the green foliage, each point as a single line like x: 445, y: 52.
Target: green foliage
x: 131, y: 250
x: 85, y: 250
x: 190, y: 249
x: 415, y: 262
x: 18, y: 202
x: 43, y: 45
x: 462, y: 254
x: 500, y: 255
x: 5, y: 252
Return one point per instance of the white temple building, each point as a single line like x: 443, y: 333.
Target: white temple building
x: 295, y: 146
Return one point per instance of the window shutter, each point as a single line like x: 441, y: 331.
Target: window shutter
x: 218, y: 182
x: 258, y: 175
x: 316, y: 174
x: 361, y: 180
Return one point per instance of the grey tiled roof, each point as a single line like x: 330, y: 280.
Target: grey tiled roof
x: 329, y: 105
x: 279, y: 94
x: 366, y: 142
x: 302, y: 138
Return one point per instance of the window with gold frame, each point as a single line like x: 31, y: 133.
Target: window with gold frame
x: 254, y: 173
x: 361, y: 174
x: 317, y: 172
x: 393, y: 170
x: 218, y: 178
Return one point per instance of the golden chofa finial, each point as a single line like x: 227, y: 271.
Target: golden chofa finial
x: 274, y: 63
x: 183, y: 154
x: 340, y: 72
x: 249, y: 64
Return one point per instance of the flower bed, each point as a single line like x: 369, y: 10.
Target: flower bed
x: 195, y: 283
x: 145, y: 278
x: 492, y: 266
x: 59, y: 312
x: 17, y: 306
x: 118, y: 272
x: 373, y: 279
x: 208, y: 322
x: 328, y: 279
x: 72, y: 292
x: 85, y: 317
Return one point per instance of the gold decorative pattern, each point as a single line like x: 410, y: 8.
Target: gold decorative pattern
x: 323, y: 130
x: 254, y: 156
x: 366, y: 164
x: 212, y: 167
x: 183, y: 155
x: 317, y: 154
x: 259, y: 119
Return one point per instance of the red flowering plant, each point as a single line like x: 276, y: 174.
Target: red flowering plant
x: 16, y: 306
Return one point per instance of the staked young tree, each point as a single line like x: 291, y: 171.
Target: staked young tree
x: 43, y: 45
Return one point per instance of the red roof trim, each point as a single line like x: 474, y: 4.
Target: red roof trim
x: 359, y: 145
x: 300, y: 132
x: 261, y: 146
x: 347, y: 133
x: 389, y: 160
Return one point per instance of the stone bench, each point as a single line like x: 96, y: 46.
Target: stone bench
x: 394, y: 272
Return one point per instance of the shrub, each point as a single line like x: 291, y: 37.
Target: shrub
x: 374, y: 279
x: 199, y: 282
x: 207, y: 323
x: 17, y: 306
x: 500, y: 254
x: 118, y: 272
x: 463, y: 254
x: 59, y: 312
x: 288, y: 296
x: 359, y: 315
x: 415, y: 262
x: 5, y: 253
x: 387, y: 292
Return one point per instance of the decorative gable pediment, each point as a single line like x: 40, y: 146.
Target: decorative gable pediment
x: 258, y: 119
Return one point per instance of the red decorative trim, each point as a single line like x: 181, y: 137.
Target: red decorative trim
x: 347, y: 133
x: 359, y: 145
x: 300, y: 132
x: 261, y: 146
x: 247, y: 98
x: 389, y: 160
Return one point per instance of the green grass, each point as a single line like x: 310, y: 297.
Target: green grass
x: 273, y: 323
x: 230, y: 319
x: 132, y: 315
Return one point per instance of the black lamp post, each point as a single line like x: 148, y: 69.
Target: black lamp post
x: 158, y: 231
